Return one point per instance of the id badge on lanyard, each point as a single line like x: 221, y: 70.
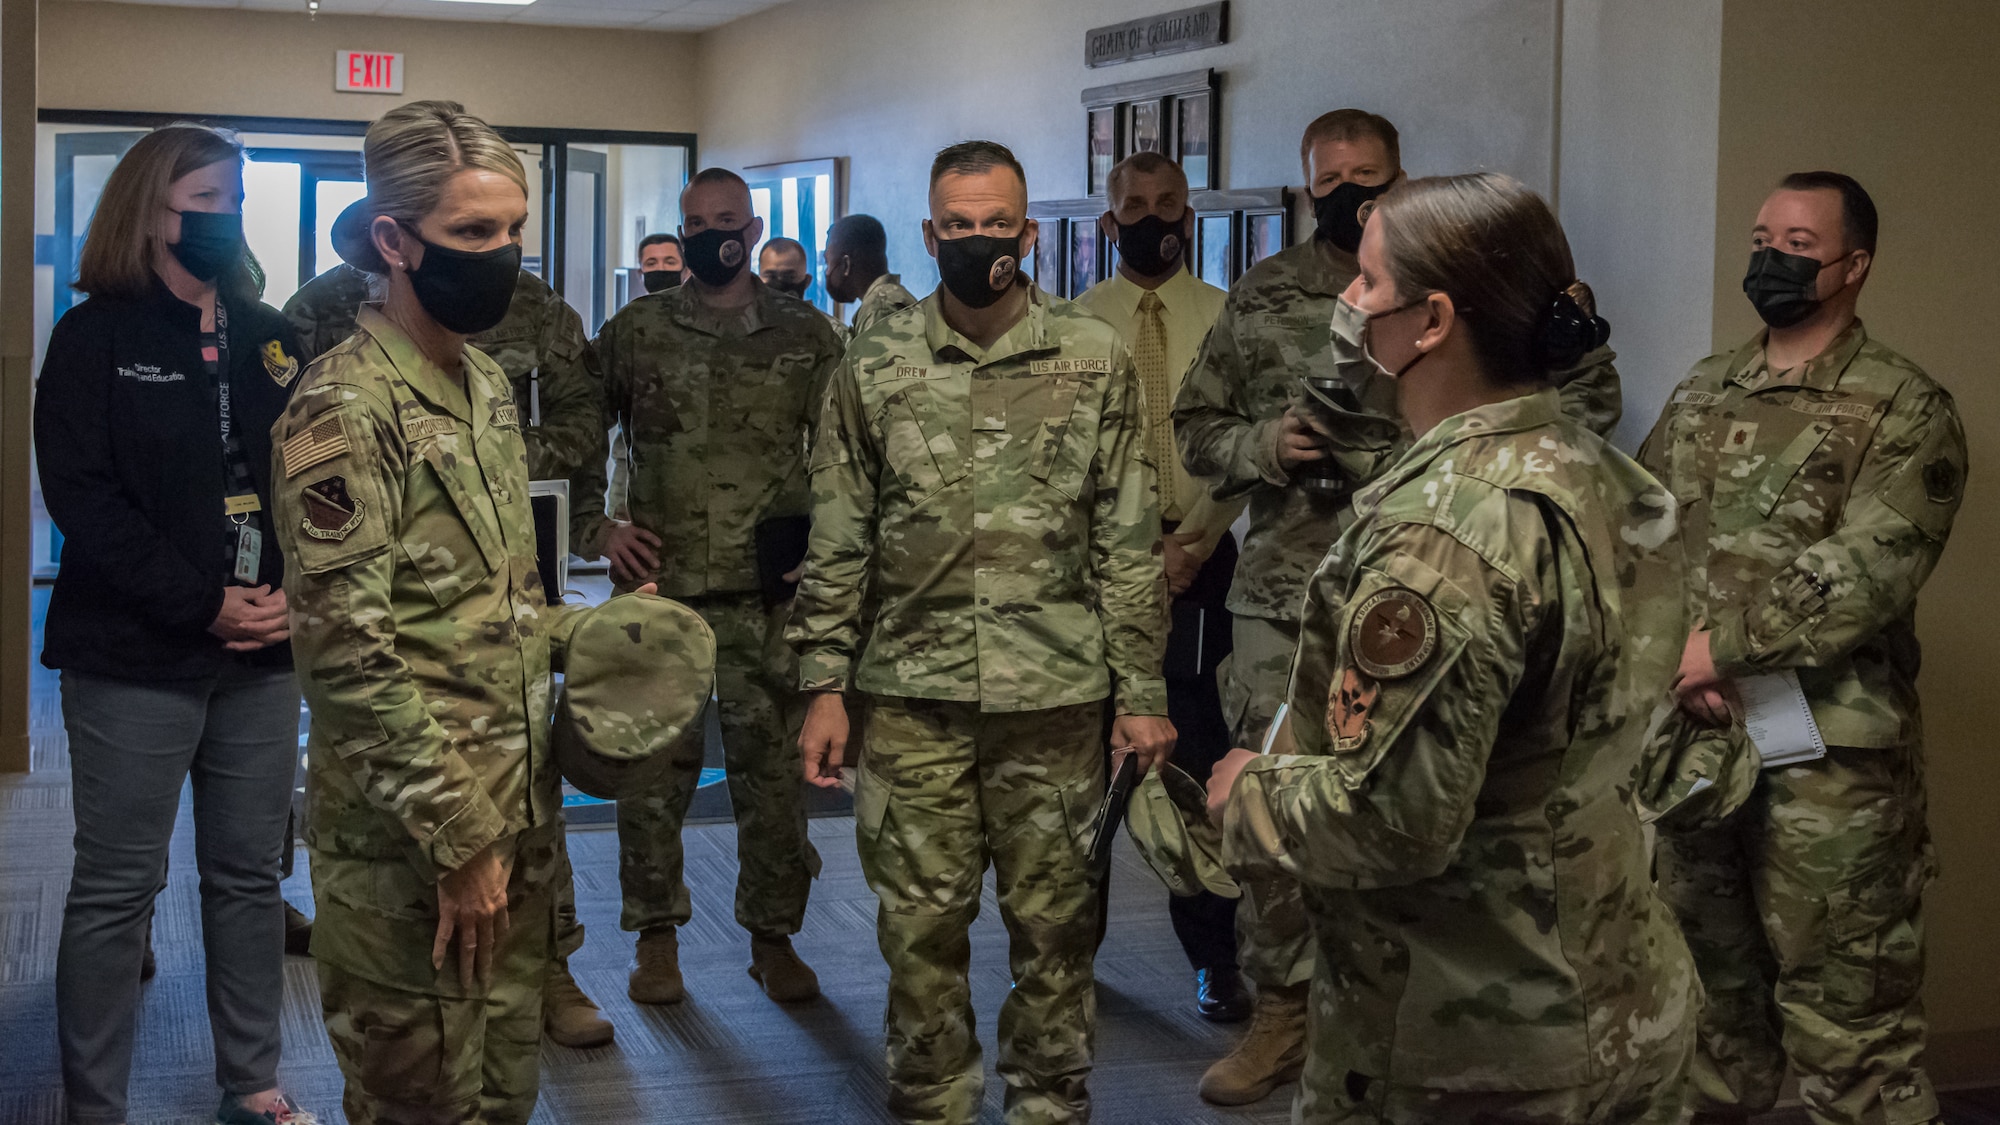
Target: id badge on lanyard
x: 239, y: 507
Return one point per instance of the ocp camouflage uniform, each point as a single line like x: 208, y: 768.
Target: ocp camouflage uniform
x: 1817, y: 502
x: 424, y: 646
x: 719, y: 407
x: 1274, y: 331
x: 541, y: 348
x: 999, y: 503
x: 1475, y: 677
x: 884, y: 295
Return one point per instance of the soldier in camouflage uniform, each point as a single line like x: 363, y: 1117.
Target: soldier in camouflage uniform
x: 541, y: 348
x: 1819, y: 473
x: 1243, y: 424
x: 424, y: 647
x: 717, y: 383
x: 1474, y: 682
x: 857, y: 269
x: 981, y: 468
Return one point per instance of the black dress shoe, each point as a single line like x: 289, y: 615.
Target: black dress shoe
x: 1220, y: 997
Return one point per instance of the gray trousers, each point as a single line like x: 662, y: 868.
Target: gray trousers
x: 132, y: 743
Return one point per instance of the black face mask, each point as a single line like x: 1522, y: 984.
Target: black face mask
x: 1152, y: 246
x: 978, y: 268
x: 1339, y: 213
x: 211, y: 242
x: 466, y: 291
x: 659, y: 281
x: 795, y: 284
x: 715, y: 256
x: 1783, y: 287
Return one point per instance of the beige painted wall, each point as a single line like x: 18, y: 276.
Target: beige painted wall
x: 139, y: 57
x: 1901, y: 97
x: 886, y: 83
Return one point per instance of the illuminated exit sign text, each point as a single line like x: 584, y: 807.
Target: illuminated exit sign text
x: 368, y: 72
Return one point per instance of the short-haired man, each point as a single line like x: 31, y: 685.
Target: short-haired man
x: 543, y: 349
x: 981, y: 471
x: 857, y: 269
x: 717, y: 383
x: 660, y: 262
x: 1244, y: 425
x: 782, y: 265
x: 1819, y: 473
x: 1164, y: 311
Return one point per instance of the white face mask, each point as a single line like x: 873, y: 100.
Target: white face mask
x: 1350, y: 328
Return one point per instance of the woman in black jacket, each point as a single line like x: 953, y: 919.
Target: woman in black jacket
x: 152, y: 428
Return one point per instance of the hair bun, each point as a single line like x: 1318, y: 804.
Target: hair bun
x: 1570, y: 328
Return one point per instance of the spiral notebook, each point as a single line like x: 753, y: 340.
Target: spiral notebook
x: 1779, y: 720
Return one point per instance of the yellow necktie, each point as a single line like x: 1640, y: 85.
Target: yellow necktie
x: 1149, y: 354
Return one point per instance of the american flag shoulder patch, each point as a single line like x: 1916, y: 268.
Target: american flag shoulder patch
x: 324, y: 440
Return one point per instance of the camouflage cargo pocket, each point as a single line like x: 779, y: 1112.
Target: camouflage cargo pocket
x: 1065, y: 441
x: 916, y: 444
x: 405, y: 1038
x: 440, y: 532
x: 1874, y: 951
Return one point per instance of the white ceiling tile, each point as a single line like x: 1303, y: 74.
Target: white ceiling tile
x: 653, y: 15
x: 583, y: 17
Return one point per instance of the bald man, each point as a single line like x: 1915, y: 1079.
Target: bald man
x: 718, y: 383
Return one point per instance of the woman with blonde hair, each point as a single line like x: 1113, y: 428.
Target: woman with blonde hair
x: 152, y: 431
x: 1475, y: 677
x: 424, y: 647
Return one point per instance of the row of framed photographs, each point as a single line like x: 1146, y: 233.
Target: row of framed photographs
x: 1232, y: 232
x: 1175, y: 116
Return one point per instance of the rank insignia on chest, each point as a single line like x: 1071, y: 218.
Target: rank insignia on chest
x: 1741, y: 438
x: 281, y: 367
x: 1393, y: 634
x: 330, y: 512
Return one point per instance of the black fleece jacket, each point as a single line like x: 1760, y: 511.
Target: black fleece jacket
x: 128, y: 439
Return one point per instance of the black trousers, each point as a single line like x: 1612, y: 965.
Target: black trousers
x: 1205, y: 923
x: 1201, y: 637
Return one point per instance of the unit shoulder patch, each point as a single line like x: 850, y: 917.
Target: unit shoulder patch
x: 281, y: 367
x: 1394, y: 633
x: 1941, y: 481
x: 1348, y: 709
x: 322, y: 441
x: 330, y: 513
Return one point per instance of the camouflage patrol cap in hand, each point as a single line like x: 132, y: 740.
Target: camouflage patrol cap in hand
x: 1169, y: 824
x: 639, y: 673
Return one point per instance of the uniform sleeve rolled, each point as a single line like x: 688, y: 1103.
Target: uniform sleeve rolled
x: 1389, y: 796
x: 825, y: 626
x: 80, y: 485
x: 1124, y: 537
x: 1849, y: 586
x: 1220, y: 442
x: 360, y: 690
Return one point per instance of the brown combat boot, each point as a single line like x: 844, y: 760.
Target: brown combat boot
x: 1271, y: 1053
x: 570, y: 1017
x: 656, y: 978
x: 776, y: 965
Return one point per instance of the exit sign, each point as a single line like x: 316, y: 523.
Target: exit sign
x: 368, y: 72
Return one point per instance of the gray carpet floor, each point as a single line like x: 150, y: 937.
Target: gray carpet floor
x: 727, y: 1056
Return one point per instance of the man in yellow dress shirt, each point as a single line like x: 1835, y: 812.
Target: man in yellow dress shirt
x: 1164, y: 311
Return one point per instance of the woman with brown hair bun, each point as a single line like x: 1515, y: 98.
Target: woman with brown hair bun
x: 1473, y: 686
x: 152, y: 428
